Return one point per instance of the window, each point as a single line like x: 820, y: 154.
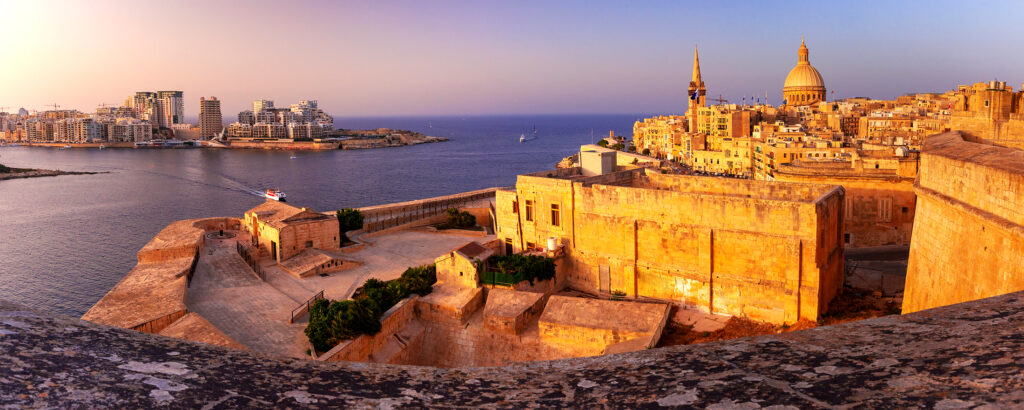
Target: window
x: 556, y: 215
x: 529, y: 210
x: 309, y: 244
x: 846, y: 238
x: 530, y: 245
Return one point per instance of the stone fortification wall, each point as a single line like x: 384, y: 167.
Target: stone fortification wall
x: 152, y: 295
x: 380, y: 217
x: 968, y: 240
x: 972, y: 353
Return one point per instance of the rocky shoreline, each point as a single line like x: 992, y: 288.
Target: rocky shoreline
x: 37, y: 173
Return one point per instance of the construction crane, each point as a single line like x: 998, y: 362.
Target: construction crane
x: 54, y: 105
x: 4, y: 109
x: 720, y: 100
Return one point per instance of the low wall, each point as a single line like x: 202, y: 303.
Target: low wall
x: 968, y: 240
x: 361, y: 348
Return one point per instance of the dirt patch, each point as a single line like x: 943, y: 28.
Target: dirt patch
x: 852, y: 305
x: 855, y: 304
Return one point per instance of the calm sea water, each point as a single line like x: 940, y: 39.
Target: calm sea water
x: 65, y: 241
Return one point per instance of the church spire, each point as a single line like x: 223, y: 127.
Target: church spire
x: 696, y: 67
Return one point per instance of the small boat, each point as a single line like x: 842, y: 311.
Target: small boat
x: 292, y: 157
x: 522, y: 137
x: 103, y: 146
x: 275, y: 194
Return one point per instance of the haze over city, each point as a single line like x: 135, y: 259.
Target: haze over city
x: 469, y: 58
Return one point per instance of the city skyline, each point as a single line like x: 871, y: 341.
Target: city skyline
x: 457, y: 58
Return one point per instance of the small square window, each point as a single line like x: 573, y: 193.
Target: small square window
x: 309, y: 244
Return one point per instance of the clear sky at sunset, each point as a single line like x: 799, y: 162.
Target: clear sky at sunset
x: 489, y: 57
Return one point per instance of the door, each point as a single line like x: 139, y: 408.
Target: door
x: 273, y: 250
x: 605, y: 278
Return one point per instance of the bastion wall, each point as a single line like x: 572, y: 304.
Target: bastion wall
x: 968, y: 240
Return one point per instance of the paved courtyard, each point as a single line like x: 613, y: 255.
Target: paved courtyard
x: 227, y: 292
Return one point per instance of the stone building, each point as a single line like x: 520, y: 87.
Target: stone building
x: 879, y: 204
x: 285, y: 231
x: 768, y: 251
x: 804, y: 85
x: 991, y: 111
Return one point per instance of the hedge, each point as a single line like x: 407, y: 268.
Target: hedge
x: 330, y: 322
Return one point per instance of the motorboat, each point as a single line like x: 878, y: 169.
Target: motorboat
x: 522, y: 137
x: 275, y: 194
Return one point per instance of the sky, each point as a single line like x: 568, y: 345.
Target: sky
x: 404, y: 58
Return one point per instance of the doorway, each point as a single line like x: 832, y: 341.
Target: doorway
x: 273, y: 250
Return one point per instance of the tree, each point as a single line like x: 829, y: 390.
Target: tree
x: 647, y: 151
x: 632, y: 148
x: 618, y: 146
x: 349, y: 220
x: 603, y: 143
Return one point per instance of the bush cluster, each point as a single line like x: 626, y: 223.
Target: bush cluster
x: 333, y: 321
x: 528, y: 267
x: 348, y: 220
x: 458, y: 220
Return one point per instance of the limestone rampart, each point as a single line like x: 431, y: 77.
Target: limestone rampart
x: 968, y: 240
x: 152, y: 295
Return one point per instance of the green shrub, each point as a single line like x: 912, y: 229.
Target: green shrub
x: 647, y: 151
x: 618, y: 147
x: 348, y: 220
x: 528, y: 267
x: 458, y: 220
x: 333, y: 321
x: 603, y: 143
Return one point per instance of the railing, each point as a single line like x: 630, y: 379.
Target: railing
x: 252, y: 260
x: 304, y: 307
x: 380, y: 217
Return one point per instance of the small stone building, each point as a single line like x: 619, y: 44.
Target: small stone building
x: 285, y: 231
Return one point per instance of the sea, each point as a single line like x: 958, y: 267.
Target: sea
x: 65, y: 241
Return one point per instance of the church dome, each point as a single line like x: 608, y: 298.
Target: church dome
x: 804, y: 75
x: 804, y: 84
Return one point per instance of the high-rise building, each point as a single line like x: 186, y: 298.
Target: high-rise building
x: 262, y: 105
x: 175, y: 106
x: 210, y: 120
x: 246, y: 117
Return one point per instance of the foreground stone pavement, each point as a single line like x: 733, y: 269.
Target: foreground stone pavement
x: 956, y: 356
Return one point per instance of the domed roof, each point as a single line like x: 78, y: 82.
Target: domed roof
x: 804, y: 74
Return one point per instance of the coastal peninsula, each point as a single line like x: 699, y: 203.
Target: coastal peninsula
x: 14, y: 173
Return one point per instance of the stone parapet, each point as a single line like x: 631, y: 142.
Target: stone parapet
x: 964, y: 355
